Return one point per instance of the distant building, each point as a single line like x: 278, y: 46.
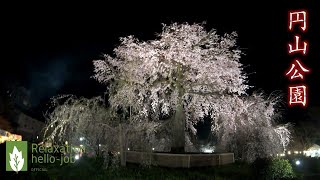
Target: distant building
x: 17, y: 115
x: 5, y: 124
x: 29, y: 127
x: 7, y: 136
x: 313, y: 151
x: 26, y: 121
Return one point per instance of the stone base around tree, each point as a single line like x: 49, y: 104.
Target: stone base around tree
x: 179, y: 160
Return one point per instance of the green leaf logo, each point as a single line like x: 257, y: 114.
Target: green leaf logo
x: 16, y: 160
x: 16, y: 156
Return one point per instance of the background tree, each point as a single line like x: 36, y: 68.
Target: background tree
x: 304, y: 135
x: 72, y: 118
x: 185, y: 74
x: 252, y: 131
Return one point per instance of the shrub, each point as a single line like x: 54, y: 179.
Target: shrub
x: 279, y: 169
x: 272, y: 168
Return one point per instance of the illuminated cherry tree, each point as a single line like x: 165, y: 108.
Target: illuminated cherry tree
x: 75, y: 120
x: 185, y: 75
x: 90, y: 122
x: 247, y: 126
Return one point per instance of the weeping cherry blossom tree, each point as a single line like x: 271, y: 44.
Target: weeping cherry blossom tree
x: 186, y: 74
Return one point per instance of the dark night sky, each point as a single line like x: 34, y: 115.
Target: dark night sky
x: 50, y: 50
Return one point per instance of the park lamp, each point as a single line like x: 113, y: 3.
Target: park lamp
x: 76, y: 157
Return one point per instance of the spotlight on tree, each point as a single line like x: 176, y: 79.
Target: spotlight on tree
x: 76, y: 157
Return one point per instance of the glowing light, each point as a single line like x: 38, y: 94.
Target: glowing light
x: 77, y: 157
x: 81, y: 145
x: 152, y: 149
x: 298, y: 162
x: 289, y: 152
x: 51, y: 125
x: 99, y: 145
x: 128, y: 149
x: 37, y: 137
x: 296, y: 152
x: 81, y: 138
x: 66, y: 142
x: 206, y: 150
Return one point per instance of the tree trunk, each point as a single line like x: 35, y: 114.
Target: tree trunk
x: 178, y: 132
x: 121, y: 143
x: 178, y: 127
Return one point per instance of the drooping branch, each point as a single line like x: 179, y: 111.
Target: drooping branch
x: 188, y: 74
